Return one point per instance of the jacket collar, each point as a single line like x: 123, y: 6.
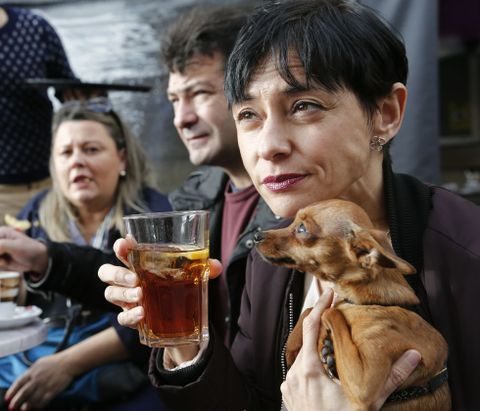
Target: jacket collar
x: 408, y: 203
x: 202, y: 189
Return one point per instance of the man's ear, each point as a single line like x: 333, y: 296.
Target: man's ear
x: 391, y: 110
x: 371, y: 252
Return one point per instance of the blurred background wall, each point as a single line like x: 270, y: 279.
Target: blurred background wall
x: 118, y: 41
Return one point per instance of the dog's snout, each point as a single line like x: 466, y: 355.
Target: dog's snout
x: 258, y: 237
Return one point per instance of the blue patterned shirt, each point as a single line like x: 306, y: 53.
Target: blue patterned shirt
x: 29, y: 48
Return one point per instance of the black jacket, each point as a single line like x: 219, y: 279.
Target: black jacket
x: 435, y: 230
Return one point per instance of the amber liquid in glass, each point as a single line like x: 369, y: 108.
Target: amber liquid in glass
x: 173, y: 280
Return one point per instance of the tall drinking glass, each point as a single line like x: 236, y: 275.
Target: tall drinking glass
x: 170, y: 258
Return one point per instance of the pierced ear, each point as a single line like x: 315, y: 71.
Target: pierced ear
x: 391, y: 112
x: 371, y: 252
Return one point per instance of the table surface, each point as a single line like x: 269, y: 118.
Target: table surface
x: 13, y: 340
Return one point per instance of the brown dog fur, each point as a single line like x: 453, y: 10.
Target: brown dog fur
x: 335, y: 241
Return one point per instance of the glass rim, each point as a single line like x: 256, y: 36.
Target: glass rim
x: 164, y: 214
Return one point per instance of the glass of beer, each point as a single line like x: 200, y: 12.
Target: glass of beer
x: 170, y: 258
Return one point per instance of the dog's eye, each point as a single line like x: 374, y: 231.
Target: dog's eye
x: 301, y: 229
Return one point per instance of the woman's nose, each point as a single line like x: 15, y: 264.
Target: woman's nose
x: 77, y: 158
x: 274, y: 141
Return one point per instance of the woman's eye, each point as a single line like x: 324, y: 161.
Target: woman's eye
x: 301, y: 229
x: 245, y: 115
x: 91, y: 150
x: 305, y: 106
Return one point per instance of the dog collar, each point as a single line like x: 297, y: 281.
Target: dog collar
x: 415, y: 391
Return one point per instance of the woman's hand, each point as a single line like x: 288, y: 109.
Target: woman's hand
x: 307, y: 387
x: 42, y: 382
x: 124, y: 291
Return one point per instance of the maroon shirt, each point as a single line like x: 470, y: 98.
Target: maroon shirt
x: 238, y: 209
x: 237, y: 212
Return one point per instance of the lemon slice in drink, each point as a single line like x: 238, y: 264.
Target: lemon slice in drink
x: 193, y: 255
x: 197, y: 254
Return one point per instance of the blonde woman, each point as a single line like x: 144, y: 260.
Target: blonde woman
x: 99, y: 174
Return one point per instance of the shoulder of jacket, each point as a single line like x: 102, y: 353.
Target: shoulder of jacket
x: 201, y: 189
x: 33, y: 204
x: 206, y: 173
x: 455, y: 218
x: 155, y: 200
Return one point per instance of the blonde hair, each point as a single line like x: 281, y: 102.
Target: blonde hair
x: 55, y: 210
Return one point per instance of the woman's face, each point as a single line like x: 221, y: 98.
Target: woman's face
x: 87, y: 164
x: 303, y: 146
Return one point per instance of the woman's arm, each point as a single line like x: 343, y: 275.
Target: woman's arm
x: 58, y: 267
x: 51, y: 375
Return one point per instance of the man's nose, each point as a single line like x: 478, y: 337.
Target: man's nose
x: 185, y: 115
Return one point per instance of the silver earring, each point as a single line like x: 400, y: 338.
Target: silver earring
x: 377, y: 143
x: 123, y: 173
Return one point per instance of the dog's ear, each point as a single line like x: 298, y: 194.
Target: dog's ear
x: 373, y: 248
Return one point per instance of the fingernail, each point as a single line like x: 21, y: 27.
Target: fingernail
x: 131, y: 279
x: 413, y: 357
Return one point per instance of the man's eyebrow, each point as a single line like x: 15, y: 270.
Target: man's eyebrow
x: 188, y: 88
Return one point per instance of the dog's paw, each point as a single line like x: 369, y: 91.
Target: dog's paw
x: 327, y: 356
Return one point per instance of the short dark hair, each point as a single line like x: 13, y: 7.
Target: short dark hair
x: 202, y: 30
x: 341, y: 44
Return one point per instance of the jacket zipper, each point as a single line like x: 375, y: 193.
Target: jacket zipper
x: 283, y: 360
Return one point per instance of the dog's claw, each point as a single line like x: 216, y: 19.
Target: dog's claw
x: 330, y: 361
x: 330, y: 374
x: 327, y: 357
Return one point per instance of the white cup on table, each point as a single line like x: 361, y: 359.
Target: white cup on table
x: 9, y: 290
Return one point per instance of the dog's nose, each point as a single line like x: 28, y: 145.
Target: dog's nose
x: 258, y: 237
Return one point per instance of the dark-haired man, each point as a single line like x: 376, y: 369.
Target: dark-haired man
x: 195, y: 49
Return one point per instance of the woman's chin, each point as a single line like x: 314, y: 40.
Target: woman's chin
x: 83, y: 200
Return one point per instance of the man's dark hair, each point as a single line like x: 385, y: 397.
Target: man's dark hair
x: 341, y: 45
x: 202, y: 30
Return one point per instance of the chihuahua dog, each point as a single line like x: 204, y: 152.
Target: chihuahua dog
x: 336, y: 242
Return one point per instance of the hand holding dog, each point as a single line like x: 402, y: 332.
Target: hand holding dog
x: 308, y: 388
